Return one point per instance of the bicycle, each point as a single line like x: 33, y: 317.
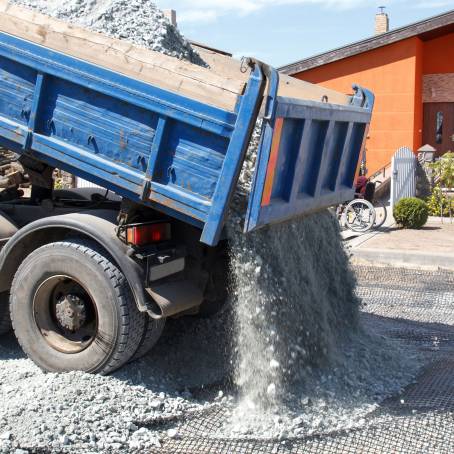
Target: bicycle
x: 365, y: 212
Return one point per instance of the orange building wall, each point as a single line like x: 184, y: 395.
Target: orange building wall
x: 439, y: 55
x: 394, y: 74
x: 419, y: 106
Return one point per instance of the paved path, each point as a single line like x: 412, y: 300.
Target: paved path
x: 430, y: 247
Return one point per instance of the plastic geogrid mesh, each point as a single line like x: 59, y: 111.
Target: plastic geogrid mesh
x: 413, y: 306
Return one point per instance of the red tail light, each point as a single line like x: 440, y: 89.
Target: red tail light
x: 143, y: 234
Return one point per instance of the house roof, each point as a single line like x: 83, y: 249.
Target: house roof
x: 426, y: 29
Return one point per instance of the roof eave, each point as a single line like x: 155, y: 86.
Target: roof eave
x: 374, y: 42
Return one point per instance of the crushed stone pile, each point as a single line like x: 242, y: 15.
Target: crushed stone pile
x: 137, y: 21
x: 77, y: 411
x: 124, y: 412
x: 303, y: 361
x: 295, y: 303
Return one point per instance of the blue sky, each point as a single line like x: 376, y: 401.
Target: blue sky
x: 283, y: 31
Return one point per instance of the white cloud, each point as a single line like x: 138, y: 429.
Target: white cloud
x: 204, y: 11
x: 433, y: 4
x: 210, y: 10
x: 198, y: 16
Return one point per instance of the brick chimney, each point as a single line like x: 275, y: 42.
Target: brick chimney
x: 381, y: 21
x: 171, y: 15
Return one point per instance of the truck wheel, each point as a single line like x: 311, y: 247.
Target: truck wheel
x: 72, y: 309
x: 152, y: 333
x: 5, y: 319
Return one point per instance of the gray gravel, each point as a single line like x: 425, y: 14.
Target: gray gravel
x: 81, y: 412
x: 303, y: 361
x: 137, y: 21
x: 185, y: 375
x: 305, y: 364
x: 74, y: 409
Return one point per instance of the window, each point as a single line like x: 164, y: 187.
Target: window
x: 439, y: 128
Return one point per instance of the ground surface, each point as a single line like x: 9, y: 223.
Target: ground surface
x: 146, y: 403
x: 435, y: 236
x: 429, y: 247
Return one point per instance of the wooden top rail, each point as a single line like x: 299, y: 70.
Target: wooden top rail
x: 219, y: 86
x: 121, y: 56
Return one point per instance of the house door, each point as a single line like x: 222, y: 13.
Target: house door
x: 438, y: 126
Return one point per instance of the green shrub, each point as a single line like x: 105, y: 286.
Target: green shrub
x: 439, y: 204
x: 444, y: 170
x: 411, y: 213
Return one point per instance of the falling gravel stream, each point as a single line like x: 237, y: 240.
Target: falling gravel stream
x: 303, y: 362
x: 294, y: 303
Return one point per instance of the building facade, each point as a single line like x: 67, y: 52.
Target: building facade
x: 411, y: 72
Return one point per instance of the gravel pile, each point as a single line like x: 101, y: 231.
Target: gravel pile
x: 88, y: 413
x: 303, y: 362
x: 137, y: 21
x: 185, y: 377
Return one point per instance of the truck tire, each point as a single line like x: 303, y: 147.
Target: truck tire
x: 152, y: 333
x: 72, y: 309
x: 5, y: 319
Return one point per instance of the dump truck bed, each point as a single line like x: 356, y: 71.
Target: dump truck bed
x: 169, y: 134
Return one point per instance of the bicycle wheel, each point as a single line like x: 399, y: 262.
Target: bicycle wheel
x: 381, y: 213
x: 359, y: 215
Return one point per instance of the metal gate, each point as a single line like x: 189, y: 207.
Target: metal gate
x: 403, y: 169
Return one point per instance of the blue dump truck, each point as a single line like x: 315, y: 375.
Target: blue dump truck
x: 88, y: 277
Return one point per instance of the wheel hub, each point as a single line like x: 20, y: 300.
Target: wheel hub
x: 70, y: 312
x: 65, y: 314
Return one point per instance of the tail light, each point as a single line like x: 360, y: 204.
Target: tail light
x: 144, y: 234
